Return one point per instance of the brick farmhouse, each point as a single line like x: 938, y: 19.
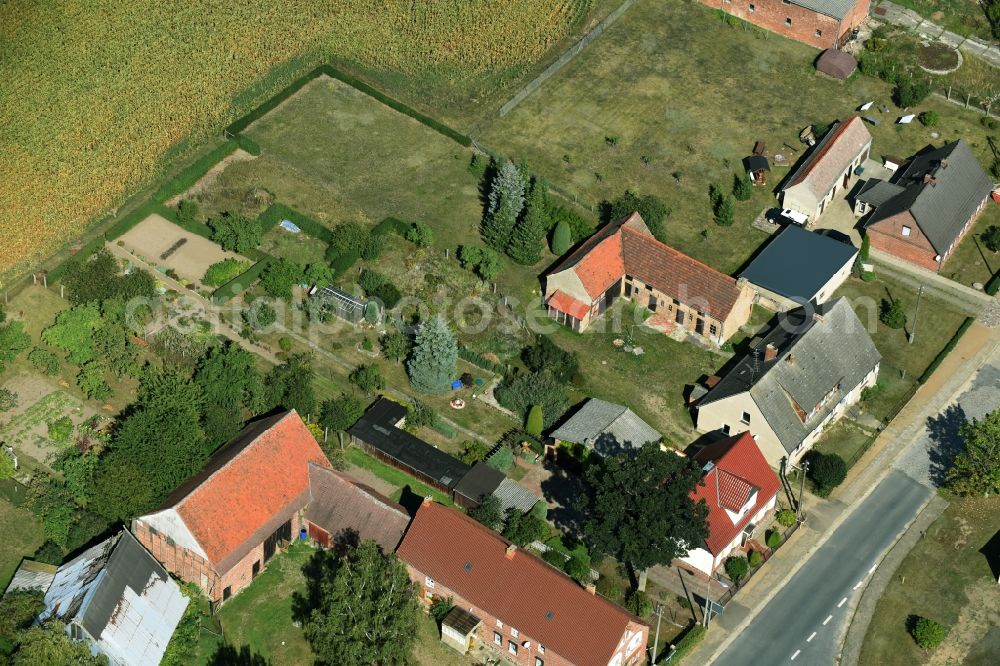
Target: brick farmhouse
x: 220, y: 527
x: 740, y: 489
x: 510, y: 600
x: 820, y: 23
x: 800, y: 378
x: 923, y: 213
x: 829, y: 168
x: 623, y: 259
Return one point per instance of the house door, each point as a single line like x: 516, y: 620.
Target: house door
x: 680, y: 316
x: 699, y: 327
x: 255, y: 570
x: 847, y: 179
x: 652, y: 303
x: 271, y: 543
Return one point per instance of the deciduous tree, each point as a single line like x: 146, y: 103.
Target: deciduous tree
x: 366, y: 610
x: 976, y: 468
x: 49, y: 643
x: 639, y: 509
x: 290, y: 385
x: 368, y: 379
x: 279, y: 277
x: 431, y: 367
x: 13, y: 341
x: 235, y: 232
x: 233, y: 389
x: 73, y: 332
x: 653, y: 209
x: 395, y: 345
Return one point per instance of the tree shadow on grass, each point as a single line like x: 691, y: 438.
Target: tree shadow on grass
x: 321, y: 567
x: 227, y: 655
x: 943, y: 431
x: 565, y: 489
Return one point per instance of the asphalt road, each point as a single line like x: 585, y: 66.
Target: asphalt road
x: 801, y: 623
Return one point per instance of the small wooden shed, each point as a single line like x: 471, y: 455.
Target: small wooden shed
x: 836, y: 63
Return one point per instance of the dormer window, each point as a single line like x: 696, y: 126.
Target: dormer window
x: 906, y: 230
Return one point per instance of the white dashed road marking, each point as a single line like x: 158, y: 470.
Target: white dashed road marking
x: 796, y: 654
x: 811, y: 636
x: 842, y: 602
x: 874, y: 567
x: 828, y: 618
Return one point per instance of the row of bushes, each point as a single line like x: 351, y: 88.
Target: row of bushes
x: 240, y: 282
x: 947, y: 350
x: 692, y: 637
x: 240, y: 124
x: 275, y: 213
x: 193, y: 172
x: 476, y: 359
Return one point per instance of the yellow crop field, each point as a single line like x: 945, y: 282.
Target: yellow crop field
x: 95, y: 92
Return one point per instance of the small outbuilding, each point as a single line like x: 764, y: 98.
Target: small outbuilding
x: 459, y: 628
x: 836, y: 63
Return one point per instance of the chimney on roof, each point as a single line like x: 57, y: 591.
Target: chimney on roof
x: 427, y: 500
x: 930, y: 180
x: 591, y: 588
x: 770, y: 352
x: 741, y: 282
x: 791, y: 359
x: 944, y: 163
x: 712, y: 381
x: 511, y: 549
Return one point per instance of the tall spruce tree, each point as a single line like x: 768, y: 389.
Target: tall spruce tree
x: 506, y: 200
x: 432, y: 366
x: 525, y: 246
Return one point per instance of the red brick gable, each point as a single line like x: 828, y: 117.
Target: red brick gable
x: 259, y: 475
x: 738, y: 467
x: 522, y: 591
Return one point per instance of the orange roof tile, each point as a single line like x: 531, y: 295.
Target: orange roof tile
x: 602, y: 266
x: 563, y: 302
x: 523, y: 592
x: 738, y: 468
x: 248, y: 484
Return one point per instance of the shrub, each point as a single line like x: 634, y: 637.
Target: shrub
x: 929, y: 118
x: 235, y: 233
x: 285, y: 344
x: 371, y: 280
x: 61, y: 429
x: 892, y: 314
x: 990, y: 123
x: 561, y: 239
x: 868, y: 276
x: 928, y: 633
x: 441, y: 607
x: 223, y: 271
x: 991, y: 238
x: 279, y: 277
x: 638, y: 603
x: 44, y: 361
x: 910, y: 92
x: 473, y: 451
x: 689, y: 642
x: 785, y: 517
x: 371, y: 248
x: 502, y: 460
x: 346, y: 239
x: 420, y: 234
x: 546, y: 356
x: 367, y: 345
x: 535, y: 388
x: 737, y: 568
x: 371, y: 316
x: 754, y: 558
x: 579, y: 227
x: 533, y: 426
x: 773, y: 539
x: 187, y: 212
x: 577, y: 568
x: 368, y: 379
x: 259, y: 315
x: 827, y: 471
x: 555, y: 558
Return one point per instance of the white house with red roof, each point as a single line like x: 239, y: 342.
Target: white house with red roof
x: 511, y: 601
x: 740, y: 489
x: 623, y: 259
x: 220, y: 527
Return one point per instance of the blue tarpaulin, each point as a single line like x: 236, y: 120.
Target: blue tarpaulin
x: 457, y: 384
x: 288, y: 225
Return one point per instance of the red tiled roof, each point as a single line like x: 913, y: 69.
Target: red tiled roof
x: 738, y: 468
x: 523, y: 592
x: 678, y: 275
x: 563, y: 302
x: 602, y: 266
x: 837, y: 150
x: 264, y: 471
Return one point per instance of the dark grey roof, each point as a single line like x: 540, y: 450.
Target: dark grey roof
x: 877, y: 192
x: 606, y: 427
x: 461, y: 621
x: 838, y: 9
x: 377, y: 428
x: 756, y: 163
x: 941, y: 208
x: 797, y: 263
x: 815, y: 355
x: 513, y: 495
x: 479, y: 481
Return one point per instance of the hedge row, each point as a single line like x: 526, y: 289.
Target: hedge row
x: 248, y: 144
x: 689, y: 642
x: 476, y: 359
x: 943, y: 354
x: 243, y: 122
x: 343, y: 263
x: 271, y: 217
x: 127, y: 223
x: 993, y: 286
x: 444, y: 428
x: 239, y: 283
x: 391, y: 225
x: 192, y: 173
x: 90, y: 248
x: 278, y: 212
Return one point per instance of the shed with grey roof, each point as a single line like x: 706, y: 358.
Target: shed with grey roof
x: 607, y: 428
x: 798, y: 267
x: 117, y: 597
x: 801, y: 375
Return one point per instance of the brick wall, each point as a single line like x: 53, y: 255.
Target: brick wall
x: 489, y: 627
x: 181, y: 562
x: 887, y: 236
x: 806, y: 25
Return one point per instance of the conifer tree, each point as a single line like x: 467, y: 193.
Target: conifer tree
x: 525, y: 245
x: 432, y: 366
x: 506, y: 200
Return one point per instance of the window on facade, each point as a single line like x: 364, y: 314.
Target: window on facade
x: 713, y: 329
x: 745, y: 418
x: 752, y: 9
x: 500, y: 624
x: 514, y: 632
x: 497, y: 638
x: 428, y: 581
x: 788, y: 22
x: 906, y: 230
x: 819, y: 33
x: 725, y: 428
x: 512, y: 647
x: 541, y: 649
x: 226, y: 593
x: 539, y: 662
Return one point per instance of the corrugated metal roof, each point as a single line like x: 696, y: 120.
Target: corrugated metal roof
x: 837, y: 9
x: 606, y: 427
x: 512, y: 495
x: 31, y: 575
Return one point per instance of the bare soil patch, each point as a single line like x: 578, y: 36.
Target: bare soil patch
x: 156, y: 235
x: 978, y: 617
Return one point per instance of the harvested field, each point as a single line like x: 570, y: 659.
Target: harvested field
x: 156, y: 241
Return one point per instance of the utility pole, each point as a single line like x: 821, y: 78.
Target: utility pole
x: 656, y: 639
x: 802, y: 483
x: 916, y: 311
x: 708, y: 585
